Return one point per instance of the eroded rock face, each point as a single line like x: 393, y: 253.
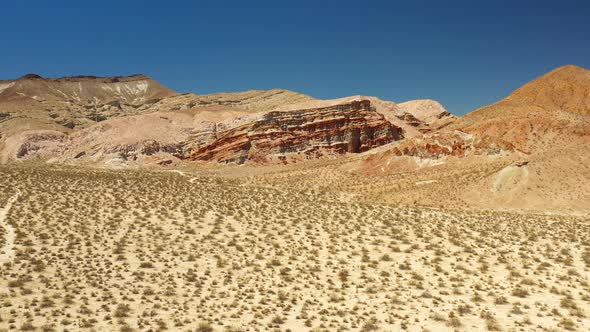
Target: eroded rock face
x: 77, y: 101
x: 456, y: 144
x: 425, y: 115
x: 351, y: 127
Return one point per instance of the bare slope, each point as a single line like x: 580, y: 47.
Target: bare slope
x: 543, y: 126
x: 35, y: 110
x: 252, y: 100
x: 548, y: 112
x: 80, y: 100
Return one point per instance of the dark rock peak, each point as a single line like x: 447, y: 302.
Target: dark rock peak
x: 31, y: 76
x: 112, y: 79
x: 80, y: 78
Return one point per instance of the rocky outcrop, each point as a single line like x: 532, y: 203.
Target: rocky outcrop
x: 425, y: 115
x: 434, y: 150
x: 350, y: 127
x: 415, y: 117
x: 444, y: 144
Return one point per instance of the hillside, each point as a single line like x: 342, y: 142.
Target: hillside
x: 565, y: 89
x: 548, y: 112
x: 124, y: 121
x: 528, y: 150
x: 251, y: 101
x: 78, y: 101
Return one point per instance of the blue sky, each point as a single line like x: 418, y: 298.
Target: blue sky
x: 464, y: 54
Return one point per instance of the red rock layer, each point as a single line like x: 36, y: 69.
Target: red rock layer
x: 455, y: 144
x: 302, y: 134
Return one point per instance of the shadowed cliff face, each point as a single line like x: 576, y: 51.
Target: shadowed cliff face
x: 302, y: 134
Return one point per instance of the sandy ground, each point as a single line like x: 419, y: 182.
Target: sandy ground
x: 179, y: 251
x: 7, y: 250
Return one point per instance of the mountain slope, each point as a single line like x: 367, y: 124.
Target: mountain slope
x: 79, y: 100
x: 62, y: 104
x: 550, y: 111
x: 36, y: 108
x: 251, y: 101
x: 71, y: 120
x: 529, y: 150
x: 564, y: 89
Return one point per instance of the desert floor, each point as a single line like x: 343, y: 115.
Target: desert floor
x: 88, y: 249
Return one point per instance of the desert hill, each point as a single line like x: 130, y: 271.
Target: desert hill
x: 135, y: 120
x: 550, y: 111
x: 39, y: 110
x: 565, y: 89
x: 80, y: 100
x: 42, y: 116
x: 528, y: 150
x: 251, y: 101
x: 430, y: 113
x: 214, y: 133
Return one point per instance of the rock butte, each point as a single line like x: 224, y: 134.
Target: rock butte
x: 308, y: 134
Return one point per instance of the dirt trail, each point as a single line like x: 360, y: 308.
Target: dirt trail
x: 191, y: 180
x: 7, y: 251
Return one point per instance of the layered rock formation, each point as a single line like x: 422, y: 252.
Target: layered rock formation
x: 133, y: 119
x: 351, y: 127
x: 425, y: 115
x: 205, y: 134
x: 251, y: 101
x: 415, y: 117
x: 457, y: 144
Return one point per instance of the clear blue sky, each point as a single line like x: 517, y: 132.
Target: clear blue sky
x: 463, y: 53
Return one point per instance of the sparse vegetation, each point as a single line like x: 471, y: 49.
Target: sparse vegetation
x: 137, y: 250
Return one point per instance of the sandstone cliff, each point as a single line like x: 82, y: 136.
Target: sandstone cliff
x: 415, y: 117
x: 425, y: 115
x: 351, y: 127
